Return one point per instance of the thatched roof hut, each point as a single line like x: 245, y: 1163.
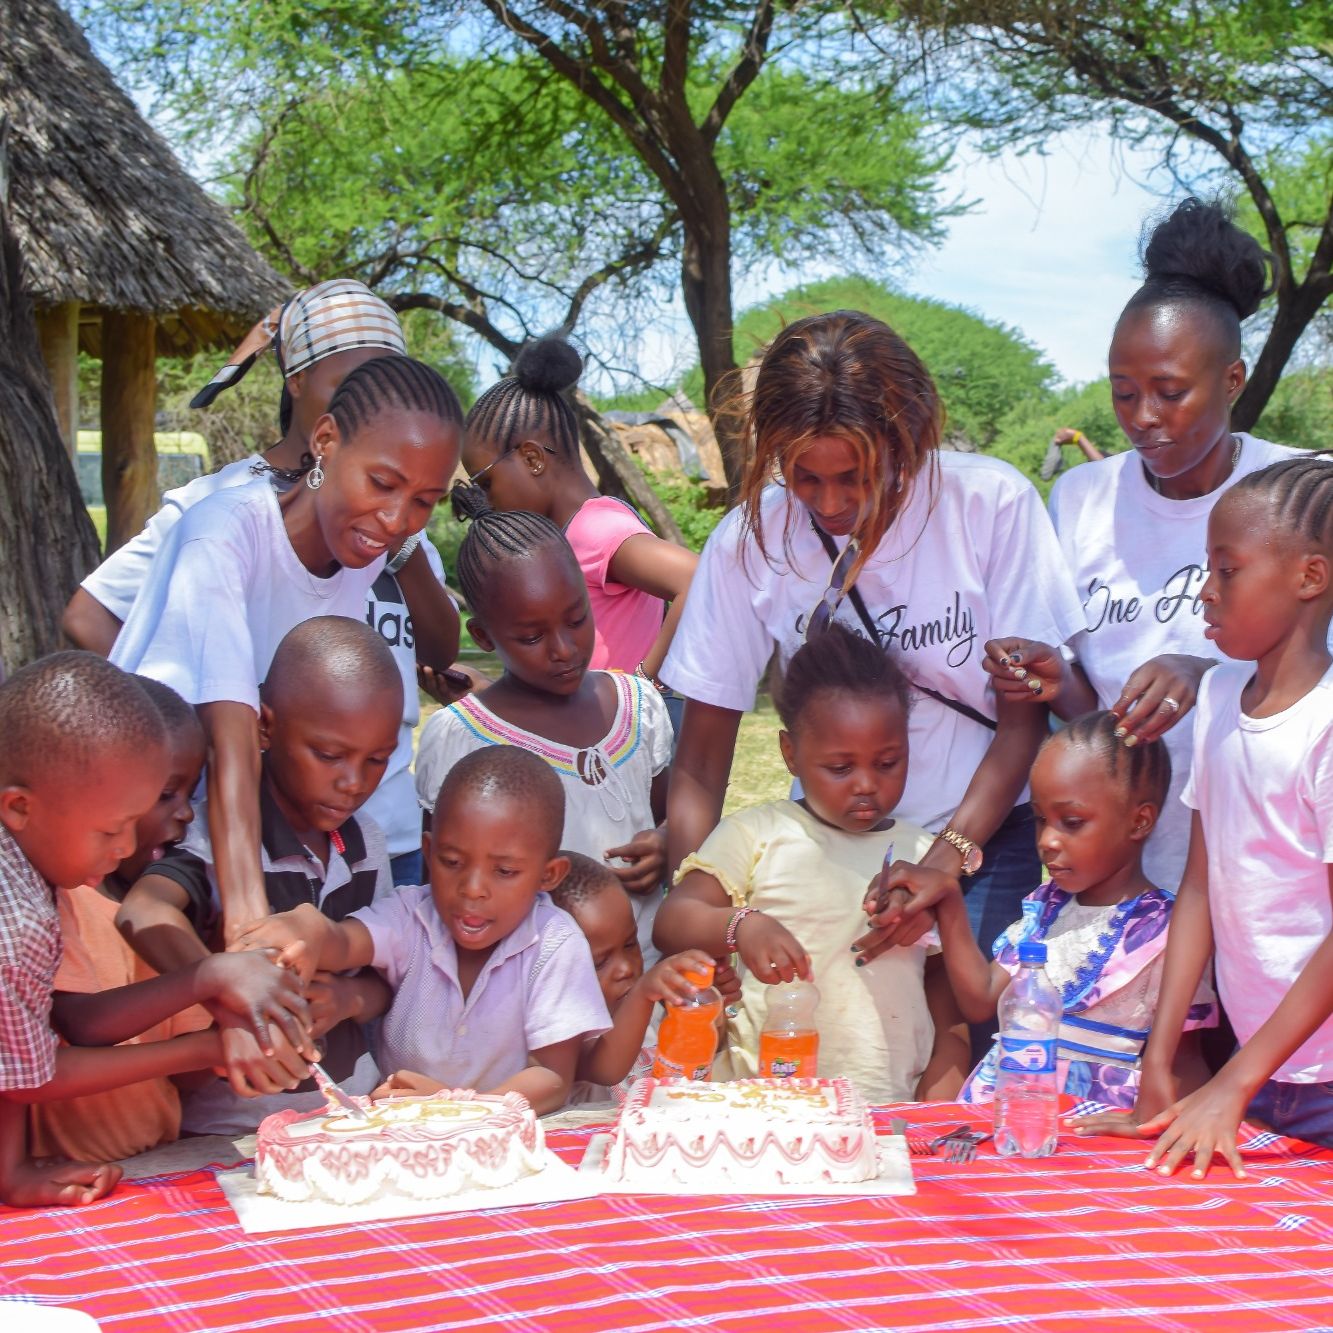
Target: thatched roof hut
x: 121, y: 249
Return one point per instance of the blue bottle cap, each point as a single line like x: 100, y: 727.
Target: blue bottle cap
x: 1032, y: 951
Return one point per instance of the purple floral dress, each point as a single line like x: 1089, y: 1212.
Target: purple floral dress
x: 1107, y: 964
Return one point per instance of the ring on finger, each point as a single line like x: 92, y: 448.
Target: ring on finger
x: 1171, y: 705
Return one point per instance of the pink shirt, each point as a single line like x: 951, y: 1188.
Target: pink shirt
x: 627, y: 619
x: 537, y: 988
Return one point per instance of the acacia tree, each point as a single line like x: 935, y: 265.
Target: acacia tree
x: 513, y: 165
x: 1234, y: 94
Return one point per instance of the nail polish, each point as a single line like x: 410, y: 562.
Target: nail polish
x: 1119, y: 733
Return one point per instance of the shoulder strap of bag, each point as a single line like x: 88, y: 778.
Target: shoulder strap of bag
x: 858, y: 604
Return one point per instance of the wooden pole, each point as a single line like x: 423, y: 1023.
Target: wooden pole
x: 58, y: 332
x: 129, y: 406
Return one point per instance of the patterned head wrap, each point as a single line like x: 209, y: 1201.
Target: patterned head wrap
x: 329, y: 317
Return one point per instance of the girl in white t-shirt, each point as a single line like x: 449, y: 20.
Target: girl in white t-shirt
x: 521, y: 447
x: 1257, y: 895
x: 606, y: 734
x: 1133, y: 526
x: 783, y: 885
x: 246, y: 565
x: 849, y: 505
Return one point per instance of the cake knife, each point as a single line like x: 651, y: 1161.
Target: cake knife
x: 334, y: 1093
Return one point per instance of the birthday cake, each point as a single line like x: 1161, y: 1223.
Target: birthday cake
x: 421, y: 1147
x: 753, y: 1132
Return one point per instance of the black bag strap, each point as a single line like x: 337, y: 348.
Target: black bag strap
x: 858, y: 604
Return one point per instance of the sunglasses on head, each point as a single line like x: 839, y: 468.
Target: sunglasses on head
x: 838, y: 587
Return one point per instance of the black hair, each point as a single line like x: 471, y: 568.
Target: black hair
x: 1301, y: 492
x: 531, y: 401
x: 386, y: 382
x: 327, y: 651
x: 585, y: 880
x: 69, y: 711
x: 176, y: 713
x: 838, y: 661
x: 504, y: 772
x: 1197, y: 255
x: 286, y: 405
x: 1144, y: 770
x: 495, y: 537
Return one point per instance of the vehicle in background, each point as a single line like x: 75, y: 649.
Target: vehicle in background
x: 182, y: 455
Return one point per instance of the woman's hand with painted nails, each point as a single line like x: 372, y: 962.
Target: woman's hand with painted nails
x: 1024, y: 670
x: 1157, y: 696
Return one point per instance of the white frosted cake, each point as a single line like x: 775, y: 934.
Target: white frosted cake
x: 754, y: 1132
x: 422, y: 1147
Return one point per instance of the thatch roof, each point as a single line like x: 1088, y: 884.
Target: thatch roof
x: 103, y: 211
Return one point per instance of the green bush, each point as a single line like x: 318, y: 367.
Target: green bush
x: 1025, y: 431
x: 1300, y: 412
x: 687, y: 501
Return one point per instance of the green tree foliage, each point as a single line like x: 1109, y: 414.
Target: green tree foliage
x: 1024, y: 432
x: 1238, y: 97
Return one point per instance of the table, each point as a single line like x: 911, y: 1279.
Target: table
x: 1086, y: 1240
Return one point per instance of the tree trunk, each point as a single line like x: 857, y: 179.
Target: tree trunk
x: 58, y: 332
x: 47, y: 540
x: 705, y: 273
x: 618, y: 474
x: 1290, y: 320
x: 129, y: 406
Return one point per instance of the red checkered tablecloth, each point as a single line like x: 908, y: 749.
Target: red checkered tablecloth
x: 1082, y: 1241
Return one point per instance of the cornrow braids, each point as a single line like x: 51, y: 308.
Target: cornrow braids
x: 1300, y: 491
x: 839, y: 661
x: 392, y: 383
x: 1144, y: 770
x: 494, y: 537
x: 532, y: 402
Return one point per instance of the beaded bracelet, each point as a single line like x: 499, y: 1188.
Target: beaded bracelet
x: 736, y: 919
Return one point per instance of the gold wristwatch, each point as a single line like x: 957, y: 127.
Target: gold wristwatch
x: 964, y: 845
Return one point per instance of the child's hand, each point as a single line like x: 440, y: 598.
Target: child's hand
x: 646, y: 853
x: 61, y: 1184
x: 252, y: 986
x: 1203, y: 1124
x: 296, y: 935
x: 1023, y: 670
x: 899, y: 903
x: 250, y: 1072
x: 1156, y: 1093
x: 665, y: 980
x: 770, y: 950
x: 406, y: 1083
x: 726, y: 980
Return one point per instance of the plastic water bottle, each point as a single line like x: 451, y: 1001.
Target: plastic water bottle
x: 789, y: 1039
x: 1027, y: 1098
x: 687, y: 1039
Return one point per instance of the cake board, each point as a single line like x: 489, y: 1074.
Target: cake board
x: 259, y: 1214
x: 894, y: 1176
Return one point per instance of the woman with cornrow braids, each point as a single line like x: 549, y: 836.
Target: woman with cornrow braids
x: 246, y: 565
x: 522, y: 449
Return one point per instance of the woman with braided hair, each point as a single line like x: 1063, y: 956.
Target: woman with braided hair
x: 246, y: 565
x: 606, y: 734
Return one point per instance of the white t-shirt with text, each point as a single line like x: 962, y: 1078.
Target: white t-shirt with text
x: 1263, y: 787
x: 1139, y: 562
x: 971, y: 557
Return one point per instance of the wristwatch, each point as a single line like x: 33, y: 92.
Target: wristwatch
x: 964, y: 845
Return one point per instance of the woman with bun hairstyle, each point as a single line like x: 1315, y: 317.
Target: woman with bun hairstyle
x: 522, y: 448
x: 851, y: 511
x: 246, y: 565
x: 1134, y: 526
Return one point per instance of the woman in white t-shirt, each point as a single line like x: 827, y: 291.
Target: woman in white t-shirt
x: 1133, y: 526
x: 246, y: 565
x: 849, y: 507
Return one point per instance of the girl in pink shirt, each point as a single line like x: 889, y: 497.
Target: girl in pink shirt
x: 522, y: 449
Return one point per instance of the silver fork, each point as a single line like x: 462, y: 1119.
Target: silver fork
x: 964, y: 1149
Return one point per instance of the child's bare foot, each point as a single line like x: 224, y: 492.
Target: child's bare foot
x: 62, y: 1183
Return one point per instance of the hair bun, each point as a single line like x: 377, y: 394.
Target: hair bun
x: 548, y: 365
x: 1200, y: 243
x: 468, y: 501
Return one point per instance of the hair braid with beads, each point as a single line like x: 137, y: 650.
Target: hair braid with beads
x: 494, y: 537
x: 1301, y: 493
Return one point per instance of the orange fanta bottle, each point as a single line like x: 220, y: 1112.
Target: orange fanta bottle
x: 687, y: 1039
x: 789, y: 1041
